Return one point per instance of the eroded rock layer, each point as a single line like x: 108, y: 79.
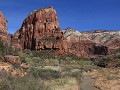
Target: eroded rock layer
x: 109, y: 38
x: 81, y: 45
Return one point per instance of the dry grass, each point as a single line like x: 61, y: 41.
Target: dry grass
x: 63, y: 84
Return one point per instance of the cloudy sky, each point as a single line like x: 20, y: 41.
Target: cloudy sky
x: 81, y: 15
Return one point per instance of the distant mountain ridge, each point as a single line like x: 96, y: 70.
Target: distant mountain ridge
x: 70, y: 33
x: 97, y: 36
x: 107, y: 38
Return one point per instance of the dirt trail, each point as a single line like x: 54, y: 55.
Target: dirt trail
x: 87, y: 83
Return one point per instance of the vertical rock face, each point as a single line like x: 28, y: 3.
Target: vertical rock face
x: 4, y: 37
x: 3, y: 23
x: 40, y: 31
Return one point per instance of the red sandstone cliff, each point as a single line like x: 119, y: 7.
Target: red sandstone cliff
x: 4, y: 37
x: 3, y: 23
x: 40, y: 31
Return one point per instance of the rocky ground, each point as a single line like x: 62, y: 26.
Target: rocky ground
x: 67, y: 77
x: 106, y: 78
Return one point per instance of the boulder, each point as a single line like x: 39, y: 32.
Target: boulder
x: 12, y: 59
x: 25, y: 66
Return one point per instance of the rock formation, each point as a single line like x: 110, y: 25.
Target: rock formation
x: 77, y: 43
x: 4, y: 37
x: 80, y: 44
x: 3, y: 23
x: 40, y: 31
x: 12, y: 59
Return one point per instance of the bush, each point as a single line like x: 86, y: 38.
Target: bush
x: 28, y: 82
x: 45, y: 74
x: 102, y: 61
x: 117, y: 61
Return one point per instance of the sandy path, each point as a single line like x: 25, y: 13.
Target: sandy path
x: 87, y: 83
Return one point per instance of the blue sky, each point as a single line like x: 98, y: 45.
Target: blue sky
x: 81, y: 15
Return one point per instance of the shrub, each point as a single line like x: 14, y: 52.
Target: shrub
x: 117, y: 61
x: 45, y: 74
x: 28, y: 82
x: 102, y: 61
